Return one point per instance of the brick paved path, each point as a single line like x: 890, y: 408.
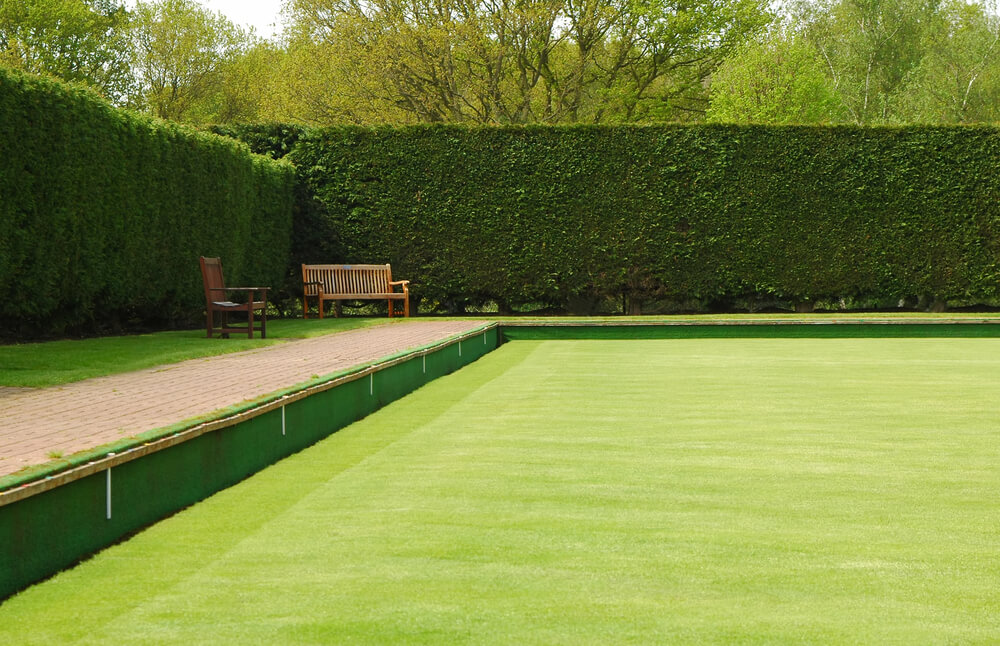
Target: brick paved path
x: 35, y: 423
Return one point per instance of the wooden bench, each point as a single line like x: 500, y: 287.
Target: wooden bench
x: 351, y: 283
x: 216, y: 303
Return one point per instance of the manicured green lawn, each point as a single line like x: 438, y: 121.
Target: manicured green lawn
x: 32, y: 365
x: 684, y: 491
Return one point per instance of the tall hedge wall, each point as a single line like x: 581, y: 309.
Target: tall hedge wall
x: 313, y: 233
x: 103, y: 213
x: 574, y: 216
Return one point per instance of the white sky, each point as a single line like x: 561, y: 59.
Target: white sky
x: 262, y: 15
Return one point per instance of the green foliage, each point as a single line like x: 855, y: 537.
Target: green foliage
x: 245, y: 81
x: 272, y: 139
x: 532, y: 61
x: 573, y: 217
x: 84, y: 41
x: 182, y: 51
x: 870, y: 47
x: 104, y: 213
x: 958, y: 80
x: 780, y: 80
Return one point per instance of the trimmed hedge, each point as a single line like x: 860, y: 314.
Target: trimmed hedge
x: 103, y: 213
x: 272, y: 139
x: 576, y: 217
x: 313, y: 234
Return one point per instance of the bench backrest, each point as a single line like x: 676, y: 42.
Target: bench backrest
x: 348, y: 279
x: 211, y: 278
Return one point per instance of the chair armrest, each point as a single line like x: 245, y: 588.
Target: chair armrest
x: 250, y: 291
x: 239, y: 289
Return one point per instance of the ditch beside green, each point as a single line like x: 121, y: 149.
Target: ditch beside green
x: 594, y: 492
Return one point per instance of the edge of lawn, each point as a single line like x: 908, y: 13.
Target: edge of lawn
x: 287, y: 330
x: 55, y: 363
x: 48, y: 469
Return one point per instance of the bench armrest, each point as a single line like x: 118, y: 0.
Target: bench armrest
x: 399, y: 282
x: 312, y: 283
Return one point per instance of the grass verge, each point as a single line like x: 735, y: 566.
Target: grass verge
x: 35, y: 365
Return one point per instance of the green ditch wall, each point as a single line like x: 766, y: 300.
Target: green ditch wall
x: 50, y: 531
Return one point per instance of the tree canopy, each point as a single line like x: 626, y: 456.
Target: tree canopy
x: 181, y: 51
x: 526, y: 61
x: 83, y: 41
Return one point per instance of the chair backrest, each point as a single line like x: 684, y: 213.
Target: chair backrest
x: 211, y: 277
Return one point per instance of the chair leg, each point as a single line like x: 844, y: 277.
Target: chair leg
x: 208, y: 324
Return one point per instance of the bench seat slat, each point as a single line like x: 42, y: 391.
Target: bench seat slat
x: 361, y: 296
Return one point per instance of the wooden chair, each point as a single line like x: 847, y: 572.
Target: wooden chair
x: 215, y: 303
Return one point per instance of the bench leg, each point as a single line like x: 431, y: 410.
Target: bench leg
x: 406, y: 307
x: 391, y: 308
x: 250, y: 320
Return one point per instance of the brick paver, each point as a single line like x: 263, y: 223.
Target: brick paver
x: 37, y: 423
